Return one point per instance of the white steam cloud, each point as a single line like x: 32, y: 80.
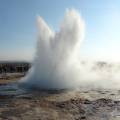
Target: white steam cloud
x: 58, y: 65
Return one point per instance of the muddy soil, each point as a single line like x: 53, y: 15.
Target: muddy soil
x: 16, y: 104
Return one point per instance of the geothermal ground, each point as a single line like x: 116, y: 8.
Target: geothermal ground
x: 94, y: 104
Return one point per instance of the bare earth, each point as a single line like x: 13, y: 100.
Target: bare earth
x: 80, y: 104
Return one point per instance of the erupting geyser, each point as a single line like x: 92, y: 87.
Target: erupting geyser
x: 57, y: 62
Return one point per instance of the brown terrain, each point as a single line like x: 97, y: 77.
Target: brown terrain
x: 80, y: 104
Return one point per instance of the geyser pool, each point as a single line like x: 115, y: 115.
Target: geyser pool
x: 57, y: 64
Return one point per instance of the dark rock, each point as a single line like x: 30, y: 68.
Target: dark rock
x: 83, y: 117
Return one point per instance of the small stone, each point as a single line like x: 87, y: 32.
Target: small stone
x: 83, y: 117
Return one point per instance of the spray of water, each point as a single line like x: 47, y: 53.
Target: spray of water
x: 57, y: 63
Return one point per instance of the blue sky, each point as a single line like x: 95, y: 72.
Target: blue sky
x: 18, y: 26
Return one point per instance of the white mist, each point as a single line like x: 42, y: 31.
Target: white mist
x: 57, y: 64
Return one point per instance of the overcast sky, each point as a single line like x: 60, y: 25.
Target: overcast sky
x: 18, y: 26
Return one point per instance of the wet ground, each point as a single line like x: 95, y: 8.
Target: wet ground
x: 17, y: 103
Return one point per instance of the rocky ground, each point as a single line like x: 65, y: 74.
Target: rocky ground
x: 6, y: 78
x: 82, y: 104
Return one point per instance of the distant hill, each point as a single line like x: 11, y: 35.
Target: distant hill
x: 14, y: 66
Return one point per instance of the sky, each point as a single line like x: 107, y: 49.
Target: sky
x: 18, y: 27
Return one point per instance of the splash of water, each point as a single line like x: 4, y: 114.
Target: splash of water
x: 57, y: 63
